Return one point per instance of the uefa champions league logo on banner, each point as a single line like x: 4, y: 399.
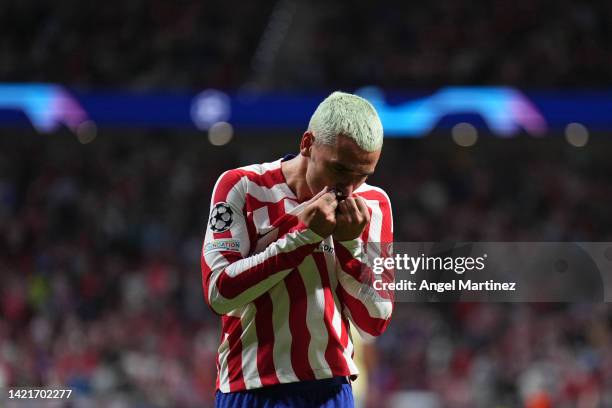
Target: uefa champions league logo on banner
x: 505, y: 110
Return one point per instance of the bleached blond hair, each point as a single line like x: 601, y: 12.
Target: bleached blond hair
x: 349, y: 115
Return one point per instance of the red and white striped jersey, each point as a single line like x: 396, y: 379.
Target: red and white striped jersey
x: 286, y: 296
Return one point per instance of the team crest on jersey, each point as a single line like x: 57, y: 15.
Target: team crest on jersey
x: 221, y: 217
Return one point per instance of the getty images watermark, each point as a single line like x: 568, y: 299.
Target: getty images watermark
x: 412, y: 264
x: 489, y: 271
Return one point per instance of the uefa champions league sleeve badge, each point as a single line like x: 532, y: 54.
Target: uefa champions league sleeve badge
x: 221, y: 217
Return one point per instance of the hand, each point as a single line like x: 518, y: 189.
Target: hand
x: 320, y: 213
x: 351, y: 219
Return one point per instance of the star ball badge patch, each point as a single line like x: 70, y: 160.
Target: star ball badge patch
x: 221, y: 217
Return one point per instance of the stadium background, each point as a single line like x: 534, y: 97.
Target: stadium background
x: 101, y: 226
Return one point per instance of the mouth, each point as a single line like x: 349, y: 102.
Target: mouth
x: 339, y: 194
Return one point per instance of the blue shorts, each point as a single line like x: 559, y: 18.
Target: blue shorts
x: 329, y: 393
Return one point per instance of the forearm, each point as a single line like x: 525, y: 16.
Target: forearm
x: 370, y: 309
x: 235, y: 282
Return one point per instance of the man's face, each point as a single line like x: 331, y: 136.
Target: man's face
x: 344, y: 166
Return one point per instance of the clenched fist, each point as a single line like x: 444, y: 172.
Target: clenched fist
x: 352, y: 217
x: 320, y: 213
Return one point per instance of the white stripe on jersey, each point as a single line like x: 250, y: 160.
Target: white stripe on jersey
x: 314, y: 318
x: 265, y: 167
x: 282, y: 334
x: 261, y: 168
x: 223, y: 373
x: 249, y: 347
x: 261, y: 218
x: 264, y: 194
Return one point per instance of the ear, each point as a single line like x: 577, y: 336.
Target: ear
x: 306, y: 143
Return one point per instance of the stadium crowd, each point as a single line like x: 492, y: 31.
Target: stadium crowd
x: 100, y: 288
x: 133, y: 44
x: 193, y: 44
x: 542, y: 44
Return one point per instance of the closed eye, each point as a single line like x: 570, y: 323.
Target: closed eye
x: 339, y: 168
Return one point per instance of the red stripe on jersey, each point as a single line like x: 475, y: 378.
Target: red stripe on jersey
x: 265, y: 340
x: 232, y: 326
x: 344, y: 337
x: 366, y: 231
x: 225, y: 185
x: 205, y: 275
x: 359, y: 271
x: 276, y: 213
x: 288, y: 223
x: 251, y: 230
x: 333, y: 351
x: 272, y: 177
x: 361, y: 316
x: 282, y: 221
x: 386, y: 233
x: 224, y: 234
x: 300, y: 336
x: 276, y: 210
x: 253, y: 203
x: 267, y: 179
x: 230, y: 287
x: 217, y: 383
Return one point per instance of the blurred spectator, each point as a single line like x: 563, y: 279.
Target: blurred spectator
x: 195, y: 44
x: 136, y: 43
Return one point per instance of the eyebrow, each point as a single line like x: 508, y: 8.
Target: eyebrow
x: 346, y: 168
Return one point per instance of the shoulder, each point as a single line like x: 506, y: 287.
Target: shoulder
x: 235, y: 183
x: 373, y: 193
x: 259, y: 168
x: 261, y: 174
x: 252, y: 172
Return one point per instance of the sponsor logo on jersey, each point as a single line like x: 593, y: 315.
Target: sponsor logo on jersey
x: 227, y: 244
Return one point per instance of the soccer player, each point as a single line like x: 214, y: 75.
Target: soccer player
x: 283, y: 263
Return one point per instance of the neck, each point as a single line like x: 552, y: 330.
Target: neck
x: 294, y: 171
